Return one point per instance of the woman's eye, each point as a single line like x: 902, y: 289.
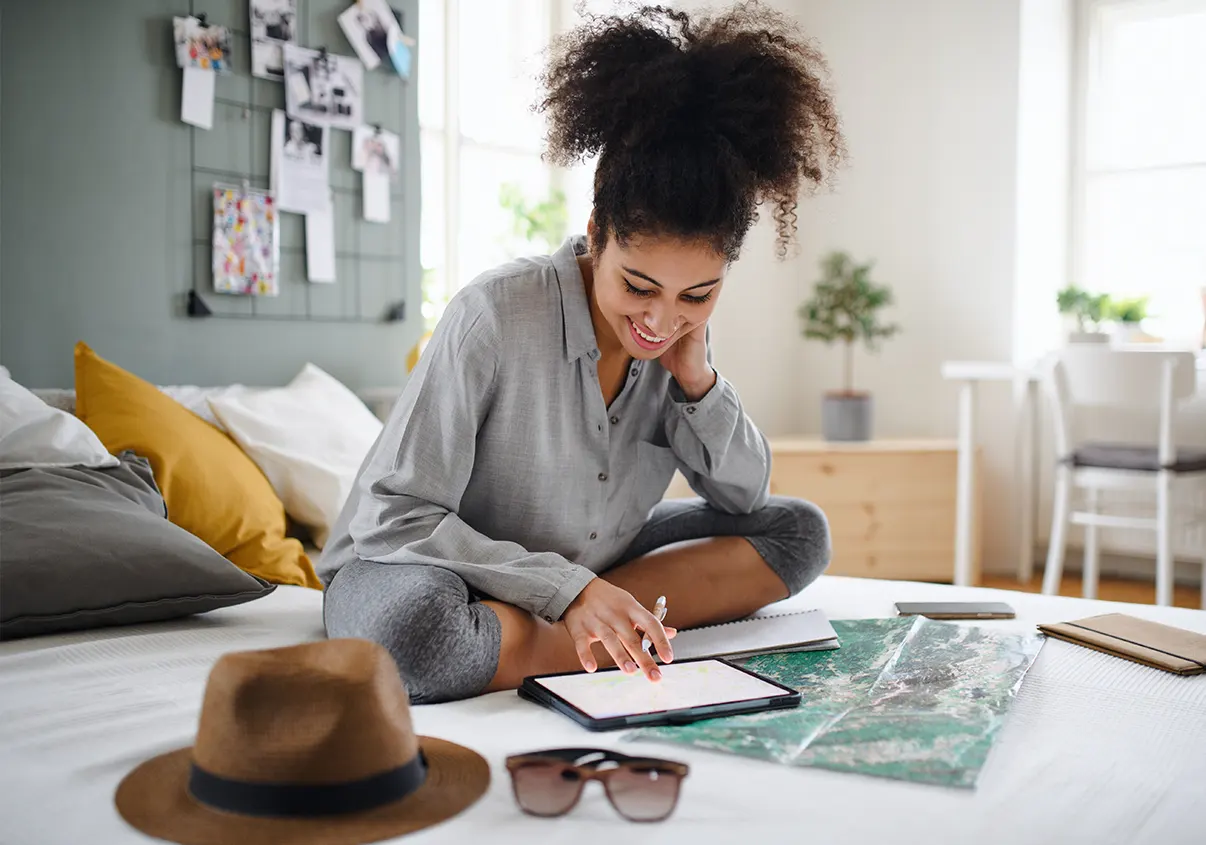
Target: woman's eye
x: 698, y: 300
x: 633, y: 289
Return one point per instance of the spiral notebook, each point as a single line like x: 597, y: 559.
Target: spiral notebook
x: 764, y: 633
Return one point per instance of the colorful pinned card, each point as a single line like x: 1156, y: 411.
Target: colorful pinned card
x: 200, y: 46
x: 246, y: 243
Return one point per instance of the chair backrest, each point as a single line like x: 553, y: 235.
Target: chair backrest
x: 1092, y: 376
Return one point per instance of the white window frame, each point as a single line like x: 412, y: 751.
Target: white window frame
x: 452, y: 141
x: 1087, y: 37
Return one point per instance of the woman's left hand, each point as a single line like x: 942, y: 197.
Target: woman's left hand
x: 687, y: 361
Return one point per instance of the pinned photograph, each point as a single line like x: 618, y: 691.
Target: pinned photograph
x: 273, y: 24
x: 373, y: 30
x: 299, y: 164
x: 201, y: 46
x: 375, y: 151
x: 323, y: 88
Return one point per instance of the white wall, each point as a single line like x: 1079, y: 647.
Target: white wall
x: 928, y: 96
x: 1045, y: 106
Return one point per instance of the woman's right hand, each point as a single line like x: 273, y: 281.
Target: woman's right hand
x: 605, y: 613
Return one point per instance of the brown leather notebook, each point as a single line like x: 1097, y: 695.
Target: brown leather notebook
x: 1150, y: 643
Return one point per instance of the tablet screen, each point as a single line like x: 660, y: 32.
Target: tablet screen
x: 605, y: 695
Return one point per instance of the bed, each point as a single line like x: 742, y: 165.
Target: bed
x: 1094, y: 750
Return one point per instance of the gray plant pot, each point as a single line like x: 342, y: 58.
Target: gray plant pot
x: 846, y: 416
x: 1088, y: 337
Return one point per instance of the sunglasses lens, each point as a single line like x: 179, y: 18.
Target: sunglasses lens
x: 546, y: 789
x: 643, y: 794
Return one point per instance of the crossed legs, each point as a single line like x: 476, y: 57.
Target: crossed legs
x: 711, y: 566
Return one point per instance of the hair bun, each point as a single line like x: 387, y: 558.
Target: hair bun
x: 741, y: 91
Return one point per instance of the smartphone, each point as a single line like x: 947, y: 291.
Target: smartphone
x: 956, y: 609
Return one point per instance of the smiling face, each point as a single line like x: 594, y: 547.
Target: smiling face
x: 647, y: 295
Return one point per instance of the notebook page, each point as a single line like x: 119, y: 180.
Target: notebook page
x: 759, y: 633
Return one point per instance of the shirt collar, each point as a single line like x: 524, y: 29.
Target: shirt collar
x: 575, y: 310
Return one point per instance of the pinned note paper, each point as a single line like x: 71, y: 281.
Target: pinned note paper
x: 320, y: 244
x: 376, y: 197
x: 376, y: 153
x: 197, y: 97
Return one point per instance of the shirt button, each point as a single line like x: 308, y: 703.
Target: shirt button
x: 690, y: 409
x: 634, y: 372
x: 615, y: 420
x: 600, y: 426
x: 594, y: 535
x: 602, y: 476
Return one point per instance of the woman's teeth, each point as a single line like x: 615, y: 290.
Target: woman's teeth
x: 648, y: 337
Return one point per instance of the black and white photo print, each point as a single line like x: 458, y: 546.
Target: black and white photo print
x: 299, y: 164
x: 273, y: 24
x: 323, y: 88
x: 373, y: 31
x: 303, y: 141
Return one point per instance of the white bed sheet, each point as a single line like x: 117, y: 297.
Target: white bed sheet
x: 1095, y: 749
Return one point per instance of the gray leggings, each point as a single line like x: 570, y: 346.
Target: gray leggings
x: 446, y: 642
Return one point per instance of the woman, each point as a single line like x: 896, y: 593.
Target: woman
x: 509, y: 520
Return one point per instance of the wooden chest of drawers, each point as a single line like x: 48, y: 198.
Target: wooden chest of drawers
x: 890, y: 503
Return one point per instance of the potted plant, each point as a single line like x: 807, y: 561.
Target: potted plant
x: 1129, y: 313
x: 1085, y: 313
x: 845, y: 308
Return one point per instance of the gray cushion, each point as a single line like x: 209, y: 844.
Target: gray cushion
x: 1139, y: 458
x: 86, y: 548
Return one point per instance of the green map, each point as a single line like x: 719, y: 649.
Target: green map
x: 905, y: 698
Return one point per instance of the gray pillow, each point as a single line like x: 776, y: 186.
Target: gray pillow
x: 87, y: 548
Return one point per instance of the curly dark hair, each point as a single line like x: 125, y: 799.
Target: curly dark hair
x: 695, y: 120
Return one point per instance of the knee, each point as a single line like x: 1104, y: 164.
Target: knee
x: 803, y: 530
x: 422, y: 616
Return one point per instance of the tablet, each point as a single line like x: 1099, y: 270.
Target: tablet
x: 688, y: 691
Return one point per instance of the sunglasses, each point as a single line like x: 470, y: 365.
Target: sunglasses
x: 549, y: 783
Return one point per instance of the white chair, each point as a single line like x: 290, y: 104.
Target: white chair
x: 1092, y: 378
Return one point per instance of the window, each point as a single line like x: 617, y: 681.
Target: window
x: 1140, y: 177
x: 481, y: 144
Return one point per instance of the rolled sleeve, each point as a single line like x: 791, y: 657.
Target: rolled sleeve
x: 724, y: 456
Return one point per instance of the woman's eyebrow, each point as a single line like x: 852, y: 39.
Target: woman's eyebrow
x: 654, y: 281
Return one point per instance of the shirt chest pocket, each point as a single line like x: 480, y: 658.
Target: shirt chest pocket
x: 655, y: 466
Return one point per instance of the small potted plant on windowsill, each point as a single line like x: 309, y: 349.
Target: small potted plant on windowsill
x: 845, y: 307
x: 1084, y: 313
x: 1128, y: 316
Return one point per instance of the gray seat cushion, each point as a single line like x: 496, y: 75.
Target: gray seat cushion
x: 1139, y: 458
x: 86, y: 548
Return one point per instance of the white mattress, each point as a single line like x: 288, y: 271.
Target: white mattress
x: 1095, y: 749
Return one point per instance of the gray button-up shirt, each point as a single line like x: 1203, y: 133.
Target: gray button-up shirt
x: 501, y: 462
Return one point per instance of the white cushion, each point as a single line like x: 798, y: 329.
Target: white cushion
x: 33, y: 434
x: 308, y: 437
x: 196, y: 399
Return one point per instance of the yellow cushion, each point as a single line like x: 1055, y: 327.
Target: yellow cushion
x: 212, y: 488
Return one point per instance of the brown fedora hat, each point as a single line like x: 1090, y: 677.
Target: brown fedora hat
x: 307, y: 745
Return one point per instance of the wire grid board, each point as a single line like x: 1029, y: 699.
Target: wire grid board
x: 376, y: 263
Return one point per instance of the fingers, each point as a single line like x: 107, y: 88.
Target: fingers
x: 657, y: 635
x: 617, y: 650
x: 633, y: 643
x: 582, y: 640
x: 585, y: 655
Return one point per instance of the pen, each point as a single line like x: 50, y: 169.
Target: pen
x: 659, y: 610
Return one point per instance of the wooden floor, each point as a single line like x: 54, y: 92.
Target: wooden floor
x: 1108, y: 589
